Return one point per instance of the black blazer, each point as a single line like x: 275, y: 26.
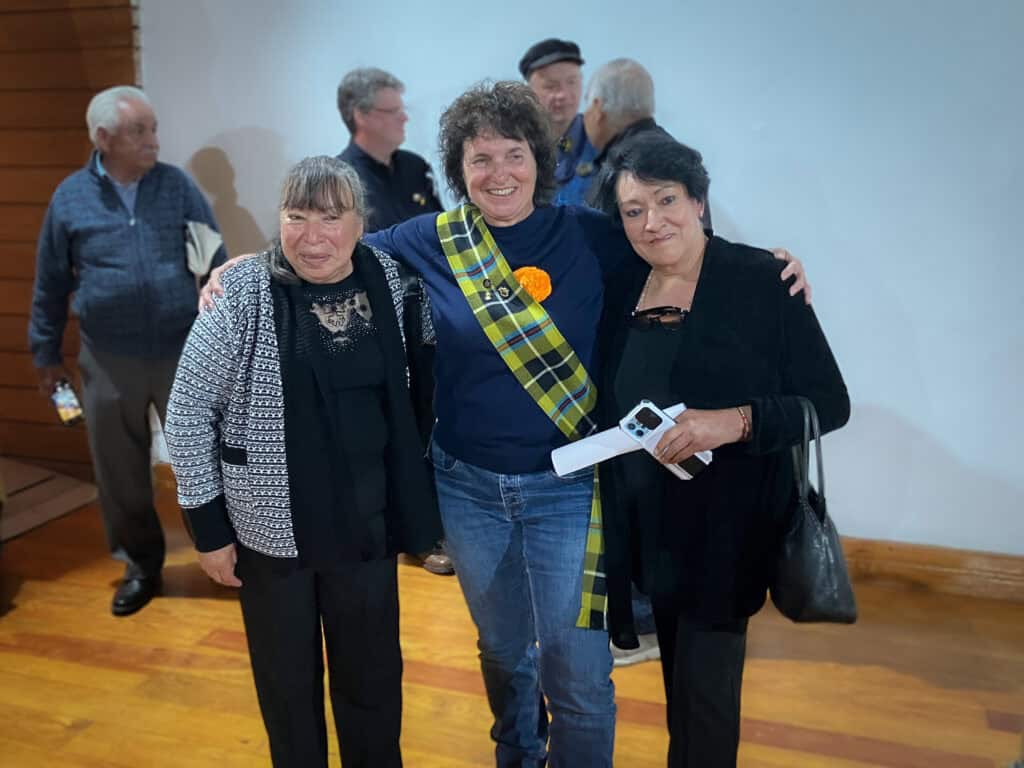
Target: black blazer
x: 705, y: 547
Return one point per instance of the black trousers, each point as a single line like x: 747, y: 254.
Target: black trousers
x: 289, y: 616
x: 702, y: 666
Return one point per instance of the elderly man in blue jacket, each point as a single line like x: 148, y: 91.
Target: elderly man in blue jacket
x: 113, y: 241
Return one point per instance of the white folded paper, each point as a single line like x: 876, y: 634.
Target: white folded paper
x: 201, y: 244
x: 599, y: 447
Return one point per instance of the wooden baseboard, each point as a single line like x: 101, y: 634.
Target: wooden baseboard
x: 941, y: 569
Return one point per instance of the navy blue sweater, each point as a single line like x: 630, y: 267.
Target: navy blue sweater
x: 484, y: 416
x: 133, y: 293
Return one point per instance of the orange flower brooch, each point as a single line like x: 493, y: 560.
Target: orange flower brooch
x: 535, y: 281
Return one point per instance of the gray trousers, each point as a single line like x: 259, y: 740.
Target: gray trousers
x: 116, y: 393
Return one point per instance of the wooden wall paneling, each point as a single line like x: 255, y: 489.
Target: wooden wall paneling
x: 56, y: 108
x: 94, y: 69
x: 18, y: 259
x: 62, y: 147
x: 14, y: 334
x: 8, y: 6
x: 32, y: 185
x: 81, y: 28
x: 21, y: 222
x: 16, y: 369
x: 21, y: 404
x: 44, y: 441
x: 15, y: 297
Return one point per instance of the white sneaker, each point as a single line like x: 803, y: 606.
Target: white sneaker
x: 648, y: 651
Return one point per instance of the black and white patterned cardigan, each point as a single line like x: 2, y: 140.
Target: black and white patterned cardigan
x: 227, y: 397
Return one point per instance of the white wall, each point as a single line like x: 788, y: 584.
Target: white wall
x: 876, y: 140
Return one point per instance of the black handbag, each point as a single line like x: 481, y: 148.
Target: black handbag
x: 811, y: 581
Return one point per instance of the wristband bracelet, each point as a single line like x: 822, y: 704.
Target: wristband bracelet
x: 746, y: 425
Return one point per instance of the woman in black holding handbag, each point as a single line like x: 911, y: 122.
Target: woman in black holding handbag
x: 706, y: 322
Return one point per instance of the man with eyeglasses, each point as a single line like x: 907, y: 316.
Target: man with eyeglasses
x: 399, y: 185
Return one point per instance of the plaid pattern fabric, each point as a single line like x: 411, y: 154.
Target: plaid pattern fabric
x: 594, y: 604
x: 519, y: 328
x: 537, y: 355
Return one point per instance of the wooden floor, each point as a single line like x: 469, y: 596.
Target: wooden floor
x: 923, y: 681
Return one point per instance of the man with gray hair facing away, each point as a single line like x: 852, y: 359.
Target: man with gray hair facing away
x: 620, y: 105
x: 114, y: 236
x: 399, y: 185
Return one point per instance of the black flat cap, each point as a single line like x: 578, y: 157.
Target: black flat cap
x: 548, y: 52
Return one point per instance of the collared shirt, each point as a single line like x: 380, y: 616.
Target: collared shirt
x: 574, y: 164
x: 126, y: 268
x: 127, y: 192
x: 621, y: 141
x: 394, y: 192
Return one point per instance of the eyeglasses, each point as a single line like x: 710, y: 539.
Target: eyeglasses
x: 670, y: 318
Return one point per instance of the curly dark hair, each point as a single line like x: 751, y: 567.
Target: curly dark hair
x: 505, y: 108
x: 650, y: 156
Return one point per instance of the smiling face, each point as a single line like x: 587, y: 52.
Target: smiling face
x: 558, y: 87
x: 319, y: 244
x: 661, y: 220
x: 501, y: 177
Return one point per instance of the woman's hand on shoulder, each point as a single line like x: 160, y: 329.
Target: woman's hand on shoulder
x: 213, y: 285
x: 699, y: 430
x: 794, y: 268
x: 219, y: 565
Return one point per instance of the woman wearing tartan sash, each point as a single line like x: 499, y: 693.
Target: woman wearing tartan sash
x: 516, y: 291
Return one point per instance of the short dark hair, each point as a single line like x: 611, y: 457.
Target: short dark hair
x: 508, y: 109
x: 548, y: 52
x: 321, y: 183
x: 650, y: 156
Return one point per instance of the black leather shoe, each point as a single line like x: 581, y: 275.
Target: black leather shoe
x: 133, y: 594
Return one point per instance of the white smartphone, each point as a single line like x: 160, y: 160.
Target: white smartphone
x: 646, y: 423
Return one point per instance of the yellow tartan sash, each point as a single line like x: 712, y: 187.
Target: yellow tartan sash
x: 537, y: 354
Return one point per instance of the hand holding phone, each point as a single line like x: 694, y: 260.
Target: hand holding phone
x: 646, y: 423
x: 66, y: 402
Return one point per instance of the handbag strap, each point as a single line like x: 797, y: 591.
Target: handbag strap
x: 802, y: 452
x: 816, y: 434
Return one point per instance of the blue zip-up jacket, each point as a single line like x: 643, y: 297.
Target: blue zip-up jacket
x: 133, y: 292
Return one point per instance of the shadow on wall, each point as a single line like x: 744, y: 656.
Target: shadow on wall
x: 215, y: 172
x: 889, y: 479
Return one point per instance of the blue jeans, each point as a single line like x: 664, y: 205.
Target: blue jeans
x: 517, y: 543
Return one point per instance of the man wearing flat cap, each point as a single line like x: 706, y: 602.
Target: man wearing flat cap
x: 552, y: 68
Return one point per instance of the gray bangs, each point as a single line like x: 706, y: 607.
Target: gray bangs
x: 324, y: 184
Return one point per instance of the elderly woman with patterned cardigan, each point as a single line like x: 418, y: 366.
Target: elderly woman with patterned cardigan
x: 300, y: 470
